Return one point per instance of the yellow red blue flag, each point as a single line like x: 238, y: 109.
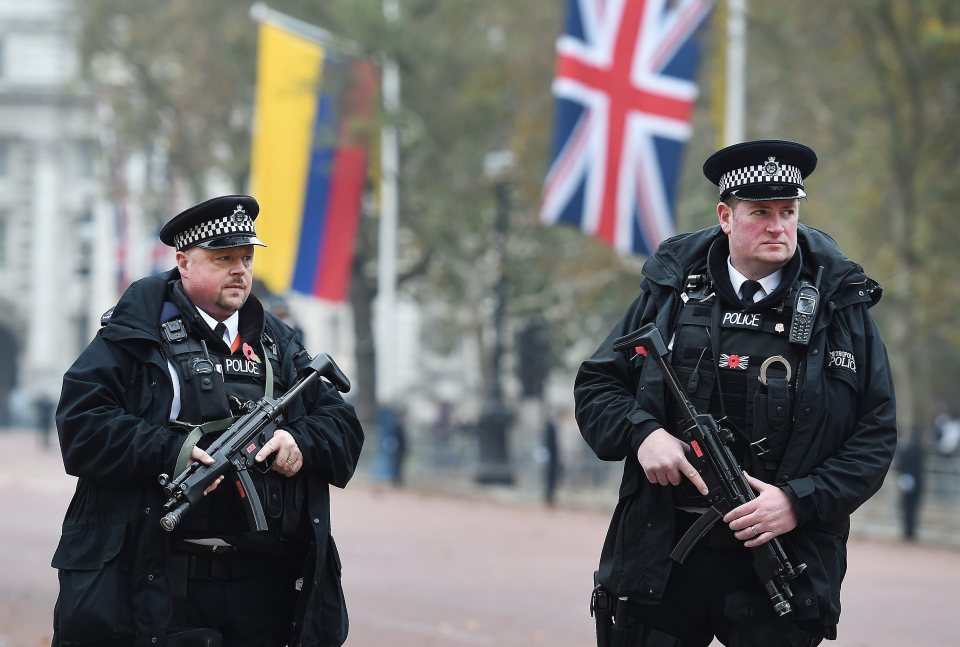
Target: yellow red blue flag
x: 308, y: 167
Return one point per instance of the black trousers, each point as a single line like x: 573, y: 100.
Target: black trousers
x: 249, y: 598
x: 716, y: 592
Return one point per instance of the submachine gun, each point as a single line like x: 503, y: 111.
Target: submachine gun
x: 728, y: 487
x: 236, y: 448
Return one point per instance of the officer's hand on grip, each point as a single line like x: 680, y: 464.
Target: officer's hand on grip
x: 197, y: 454
x: 289, y: 458
x: 663, y: 459
x: 758, y: 521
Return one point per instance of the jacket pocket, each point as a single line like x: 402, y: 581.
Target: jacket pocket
x: 94, y: 585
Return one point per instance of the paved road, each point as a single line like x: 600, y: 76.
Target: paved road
x: 428, y: 570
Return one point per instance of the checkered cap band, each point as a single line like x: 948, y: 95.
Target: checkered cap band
x: 770, y: 172
x: 239, y: 223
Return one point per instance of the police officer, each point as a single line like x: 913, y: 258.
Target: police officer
x: 769, y: 331
x: 174, y: 364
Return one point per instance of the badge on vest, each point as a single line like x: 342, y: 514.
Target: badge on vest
x: 740, y: 362
x: 750, y: 321
x: 239, y: 366
x: 842, y: 359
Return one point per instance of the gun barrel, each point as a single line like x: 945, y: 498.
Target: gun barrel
x: 780, y: 604
x: 170, y: 520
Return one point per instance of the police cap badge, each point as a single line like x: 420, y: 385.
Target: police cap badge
x: 766, y: 169
x: 225, y: 221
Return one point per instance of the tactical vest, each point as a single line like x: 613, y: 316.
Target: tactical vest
x: 214, y: 387
x: 740, y: 367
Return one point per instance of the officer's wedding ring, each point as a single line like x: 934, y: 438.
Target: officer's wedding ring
x: 753, y: 529
x: 289, y: 462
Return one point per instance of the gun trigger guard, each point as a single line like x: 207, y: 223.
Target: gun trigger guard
x: 266, y: 465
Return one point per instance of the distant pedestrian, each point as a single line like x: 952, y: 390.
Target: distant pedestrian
x: 398, y: 446
x: 43, y: 409
x: 946, y: 428
x: 552, y: 464
x: 910, y: 482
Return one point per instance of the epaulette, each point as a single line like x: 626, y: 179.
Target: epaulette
x: 105, y: 317
x: 270, y: 346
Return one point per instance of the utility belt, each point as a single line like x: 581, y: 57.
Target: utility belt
x: 206, y: 550
x: 189, y: 561
x: 615, y: 627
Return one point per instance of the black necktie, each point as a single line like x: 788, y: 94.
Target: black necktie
x: 220, y: 331
x: 747, y: 290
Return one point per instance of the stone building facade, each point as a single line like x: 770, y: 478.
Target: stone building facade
x: 54, y: 227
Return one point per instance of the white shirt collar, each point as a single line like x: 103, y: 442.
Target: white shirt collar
x: 232, y: 323
x: 769, y: 283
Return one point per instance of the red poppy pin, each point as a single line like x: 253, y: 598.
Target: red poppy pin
x: 249, y: 353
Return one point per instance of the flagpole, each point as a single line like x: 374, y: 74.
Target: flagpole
x: 736, y: 96
x: 387, y: 238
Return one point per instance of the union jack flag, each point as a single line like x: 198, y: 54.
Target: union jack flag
x: 734, y: 361
x: 625, y: 92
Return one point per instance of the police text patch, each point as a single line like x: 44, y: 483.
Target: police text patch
x: 242, y: 366
x: 842, y: 359
x: 751, y: 321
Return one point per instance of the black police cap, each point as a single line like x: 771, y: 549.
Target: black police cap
x: 766, y: 169
x: 225, y: 221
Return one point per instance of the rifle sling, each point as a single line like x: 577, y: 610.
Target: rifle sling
x: 196, y: 432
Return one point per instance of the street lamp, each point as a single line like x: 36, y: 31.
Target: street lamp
x: 495, y: 418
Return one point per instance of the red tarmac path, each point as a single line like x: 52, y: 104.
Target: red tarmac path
x: 429, y: 570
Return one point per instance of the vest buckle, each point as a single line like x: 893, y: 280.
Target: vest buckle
x: 760, y: 448
x: 174, y: 330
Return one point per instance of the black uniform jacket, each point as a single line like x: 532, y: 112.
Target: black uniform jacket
x: 113, y: 424
x: 844, y: 429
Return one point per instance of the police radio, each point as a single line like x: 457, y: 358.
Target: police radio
x: 804, y: 311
